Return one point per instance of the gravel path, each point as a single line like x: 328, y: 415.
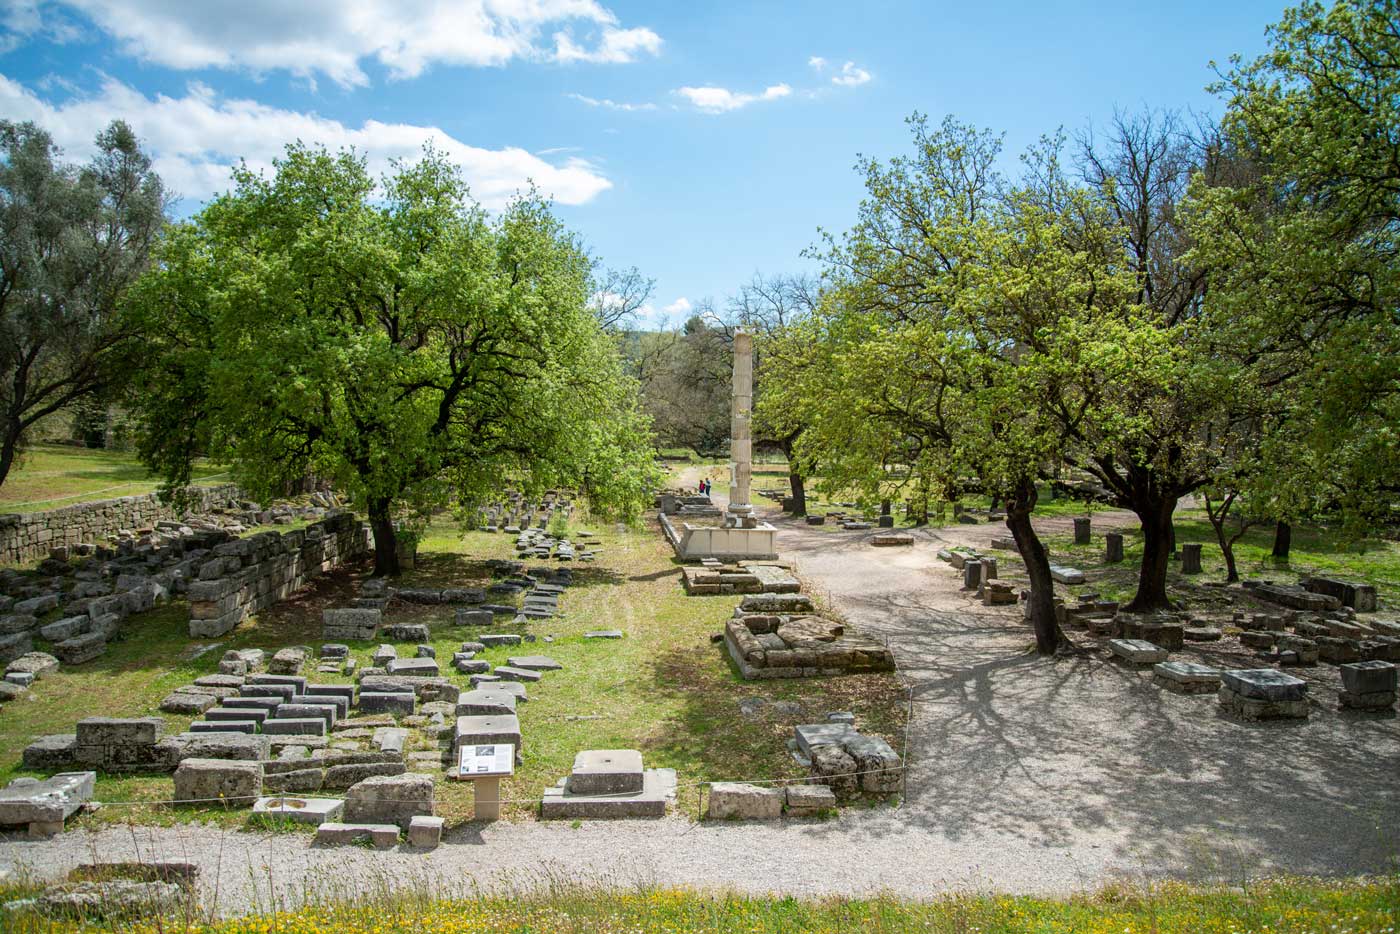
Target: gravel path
x: 1026, y: 776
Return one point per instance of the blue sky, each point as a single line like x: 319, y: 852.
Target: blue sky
x: 701, y: 142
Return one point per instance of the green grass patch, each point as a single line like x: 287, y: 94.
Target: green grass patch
x: 664, y: 689
x: 1284, y: 906
x: 52, y: 475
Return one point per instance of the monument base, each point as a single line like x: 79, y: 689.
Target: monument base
x: 693, y: 542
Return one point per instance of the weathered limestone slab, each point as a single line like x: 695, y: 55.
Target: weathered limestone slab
x: 485, y: 702
x: 807, y: 800
x: 295, y: 726
x: 534, y: 663
x: 742, y: 801
x: 811, y: 735
x: 45, y: 805
x: 119, y: 731
x: 389, y: 799
x: 398, y: 703
x: 425, y: 832
x: 232, y: 781
x: 334, y: 833
x: 1358, y: 595
x: 405, y: 632
x: 487, y: 730
x: 1186, y: 677
x: 1137, y: 651
x: 606, y: 772
x: 288, y: 661
x: 351, y: 624
x: 891, y: 539
x: 878, y: 765
x: 184, y: 703
x: 1263, y: 694
x: 223, y: 745
x: 509, y: 673
x: 1066, y: 575
x: 414, y: 668
x: 300, y: 810
x: 55, y: 751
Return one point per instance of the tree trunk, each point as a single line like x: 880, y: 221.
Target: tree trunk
x: 386, y: 545
x: 1156, y: 519
x: 1283, y: 537
x: 8, y: 450
x: 799, y: 492
x: 1037, y: 562
x: 885, y: 506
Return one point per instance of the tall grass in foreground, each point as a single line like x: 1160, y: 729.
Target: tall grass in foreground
x: 1283, y: 906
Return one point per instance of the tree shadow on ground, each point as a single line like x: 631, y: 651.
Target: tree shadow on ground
x: 1071, y: 753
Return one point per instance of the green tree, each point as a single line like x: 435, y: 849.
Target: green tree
x: 1305, y: 283
x: 971, y: 325
x: 392, y: 338
x: 72, y: 240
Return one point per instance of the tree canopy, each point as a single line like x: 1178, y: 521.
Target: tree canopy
x: 72, y: 240
x: 391, y: 338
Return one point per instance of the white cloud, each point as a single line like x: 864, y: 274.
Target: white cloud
x: 817, y: 62
x: 679, y: 307
x: 617, y: 47
x: 333, y: 37
x: 722, y: 100
x: 851, y: 76
x: 610, y: 104
x: 196, y: 139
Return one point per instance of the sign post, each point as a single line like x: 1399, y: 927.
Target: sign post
x: 485, y: 765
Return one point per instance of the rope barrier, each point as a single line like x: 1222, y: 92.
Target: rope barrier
x: 317, y: 796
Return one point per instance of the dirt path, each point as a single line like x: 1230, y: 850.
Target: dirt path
x: 1077, y: 761
x: 1025, y: 776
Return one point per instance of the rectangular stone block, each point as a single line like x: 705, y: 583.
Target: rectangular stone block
x: 398, y: 703
x: 1265, y: 684
x: 118, y: 731
x: 298, y: 726
x: 222, y: 781
x: 1368, y: 677
x: 742, y: 801
x: 606, y: 772
x: 303, y: 710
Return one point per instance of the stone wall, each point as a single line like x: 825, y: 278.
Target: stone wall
x: 250, y: 574
x: 25, y: 536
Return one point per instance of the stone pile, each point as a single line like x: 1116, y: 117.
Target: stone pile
x: 1336, y: 636
x: 713, y: 577
x: 1263, y: 694
x: 846, y: 760
x: 774, y: 645
x: 247, y: 575
x: 135, y: 744
x: 517, y: 513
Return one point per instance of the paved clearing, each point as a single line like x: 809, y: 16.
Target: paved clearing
x: 1026, y: 776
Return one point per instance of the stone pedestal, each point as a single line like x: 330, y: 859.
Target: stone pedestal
x: 1113, y: 548
x: 1081, y: 531
x: 1191, y: 559
x: 740, y: 511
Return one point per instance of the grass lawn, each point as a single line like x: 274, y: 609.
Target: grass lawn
x: 1284, y: 906
x: 53, y: 475
x: 1315, y: 549
x: 665, y: 689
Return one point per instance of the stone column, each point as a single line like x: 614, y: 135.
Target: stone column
x: 740, y: 436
